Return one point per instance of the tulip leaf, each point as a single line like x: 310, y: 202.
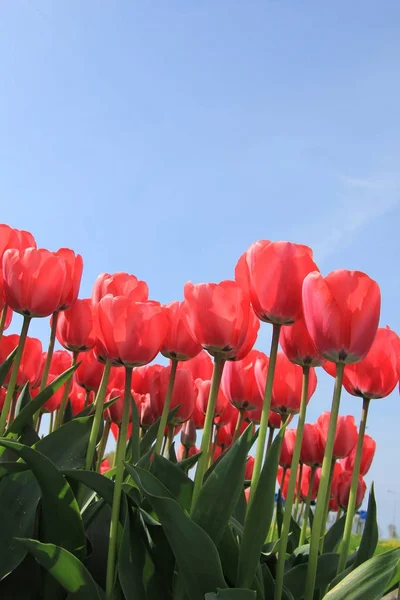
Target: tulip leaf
x: 369, y: 580
x: 65, y: 568
x: 26, y: 415
x: 334, y: 535
x: 187, y: 463
x: 295, y: 579
x: 20, y: 492
x: 199, y: 568
x: 259, y: 516
x: 225, y: 482
x: 6, y: 366
x: 9, y: 467
x: 24, y: 398
x: 151, y: 434
x: 232, y: 594
x: 61, y: 520
x: 174, y: 479
x: 370, y: 535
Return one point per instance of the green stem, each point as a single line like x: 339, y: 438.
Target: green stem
x: 208, y: 428
x: 3, y: 320
x: 238, y: 426
x: 14, y: 375
x: 103, y: 444
x: 185, y: 453
x: 327, y: 501
x: 262, y: 431
x: 98, y: 416
x: 170, y: 439
x: 323, y: 486
x: 307, y: 508
x: 119, y: 478
x: 50, y: 351
x: 166, y: 407
x: 271, y: 534
x: 280, y: 569
x: 164, y: 445
x: 270, y: 437
x: 298, y: 493
x: 51, y: 422
x: 353, y: 490
x: 64, y: 399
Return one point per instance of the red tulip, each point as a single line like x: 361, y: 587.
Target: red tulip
x: 73, y: 275
x: 54, y: 402
x: 218, y: 315
x: 33, y: 281
x: 90, y: 371
x: 179, y: 343
x: 200, y: 366
x: 130, y: 333
x: 284, y: 488
x: 183, y: 394
x: 114, y: 412
x: 229, y: 414
x: 3, y: 393
x: 341, y: 312
x: 298, y: 346
x: 115, y: 431
x: 185, y: 452
x: 29, y: 370
x: 120, y: 284
x: 346, y: 435
x: 142, y: 376
x: 305, y: 483
x: 76, y: 328
x: 341, y: 489
x: 198, y: 416
x: 61, y: 360
x: 249, y: 340
x: 367, y: 456
x: 14, y: 239
x: 77, y: 398
x: 286, y: 390
x: 188, y: 434
x: 3, y: 303
x: 333, y: 505
x: 249, y: 468
x: 146, y: 415
x: 239, y: 382
x: 312, y: 445
x: 289, y: 440
x: 203, y: 393
x: 105, y: 466
x: 275, y: 420
x: 273, y: 274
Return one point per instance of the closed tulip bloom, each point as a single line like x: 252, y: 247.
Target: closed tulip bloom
x: 289, y: 440
x: 239, y: 382
x: 273, y: 274
x: 183, y: 394
x: 114, y: 412
x: 312, y: 446
x: 189, y: 434
x: 115, y: 431
x: 305, y: 483
x: 249, y: 468
x: 341, y: 489
x: 76, y: 327
x: 29, y: 369
x: 249, y: 340
x: 179, y: 343
x: 346, y: 434
x: 285, y: 486
x: 33, y: 281
x: 298, y: 346
x: 105, y: 466
x: 131, y: 333
x: 90, y: 371
x: 3, y: 302
x: 218, y: 315
x: 198, y: 416
x: 120, y: 284
x: 186, y: 452
x: 14, y: 239
x: 367, y: 456
x: 275, y: 420
x: 202, y: 396
x: 77, y: 398
x: 229, y: 414
x: 341, y: 312
x: 73, y: 275
x: 142, y: 376
x: 61, y: 360
x: 333, y: 505
x: 201, y: 366
x: 146, y: 414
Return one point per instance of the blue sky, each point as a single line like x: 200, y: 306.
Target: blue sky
x: 163, y: 138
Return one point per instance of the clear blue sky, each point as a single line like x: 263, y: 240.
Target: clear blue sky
x: 163, y: 138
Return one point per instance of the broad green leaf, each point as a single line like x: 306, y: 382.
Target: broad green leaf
x: 6, y: 366
x: 233, y: 594
x: 259, y: 516
x: 172, y: 454
x: 100, y: 485
x: 9, y: 467
x: 240, y: 509
x: 187, y: 463
x: 334, y: 535
x: 295, y: 579
x: 15, y: 584
x: 195, y: 554
x: 26, y: 415
x: 20, y: 493
x: 370, y: 535
x: 369, y: 580
x: 294, y: 536
x: 65, y: 568
x: 225, y: 483
x: 174, y: 479
x: 23, y: 399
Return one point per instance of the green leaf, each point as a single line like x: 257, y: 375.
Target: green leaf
x: 65, y: 568
x: 151, y: 434
x: 20, y: 493
x: 295, y: 579
x: 370, y: 535
x: 23, y: 399
x: 369, y: 580
x: 259, y: 516
x: 172, y: 454
x: 6, y: 366
x: 26, y: 415
x: 187, y: 463
x: 195, y: 554
x: 100, y: 485
x: 225, y: 483
x: 174, y: 479
x: 9, y: 467
x: 334, y: 535
x: 232, y: 594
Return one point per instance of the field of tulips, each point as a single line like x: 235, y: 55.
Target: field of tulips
x: 188, y: 509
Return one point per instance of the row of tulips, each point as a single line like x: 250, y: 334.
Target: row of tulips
x: 239, y: 398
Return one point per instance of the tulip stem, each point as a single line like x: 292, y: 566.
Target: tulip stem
x: 98, y: 416
x: 327, y: 502
x: 280, y: 569
x: 50, y: 351
x: 208, y: 428
x: 353, y: 490
x: 103, y: 444
x: 270, y: 437
x: 262, y: 431
x: 323, y: 486
x: 51, y: 422
x: 3, y: 320
x: 307, y: 508
x: 271, y: 534
x: 238, y: 426
x: 119, y: 478
x: 298, y: 493
x: 166, y: 407
x: 170, y: 439
x: 14, y: 375
x: 67, y: 388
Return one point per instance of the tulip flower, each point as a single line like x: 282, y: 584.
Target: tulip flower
x: 179, y: 343
x: 298, y: 346
x: 312, y: 445
x: 345, y: 436
x: 287, y: 448
x: 184, y: 452
x: 183, y: 394
x: 203, y: 393
x: 120, y: 284
x: 249, y: 468
x: 89, y: 372
x: 75, y: 329
x: 29, y: 368
x: 200, y: 366
x: 367, y: 456
x: 341, y: 489
x: 188, y: 434
x: 239, y: 382
x: 146, y: 414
